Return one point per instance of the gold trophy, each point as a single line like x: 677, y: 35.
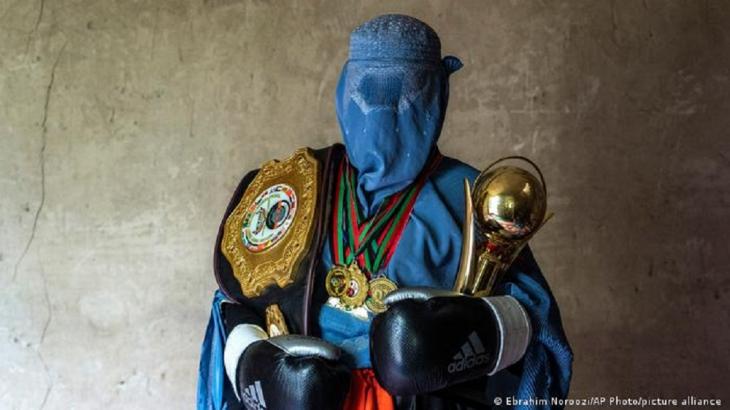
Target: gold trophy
x: 506, y: 208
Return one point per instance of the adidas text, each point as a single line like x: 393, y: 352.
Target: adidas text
x: 471, y: 354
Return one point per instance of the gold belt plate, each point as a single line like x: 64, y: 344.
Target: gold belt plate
x: 269, y: 232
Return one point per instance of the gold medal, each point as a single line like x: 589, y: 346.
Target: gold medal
x: 357, y: 288
x: 379, y: 289
x: 337, y: 280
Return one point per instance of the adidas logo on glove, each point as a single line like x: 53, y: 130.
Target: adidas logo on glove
x: 471, y: 354
x: 253, y: 396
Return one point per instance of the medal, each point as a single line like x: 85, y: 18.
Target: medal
x: 357, y: 288
x: 337, y: 280
x: 363, y: 245
x: 347, y: 283
x: 379, y: 289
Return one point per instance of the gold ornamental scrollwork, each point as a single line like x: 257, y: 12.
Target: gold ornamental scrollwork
x: 275, y: 322
x: 273, y: 260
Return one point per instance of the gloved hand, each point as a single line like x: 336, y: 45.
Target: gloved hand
x: 430, y: 339
x: 286, y: 372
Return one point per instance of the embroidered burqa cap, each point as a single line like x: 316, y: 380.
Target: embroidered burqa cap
x: 395, y: 36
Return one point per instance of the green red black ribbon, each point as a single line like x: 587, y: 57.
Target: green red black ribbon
x: 371, y: 241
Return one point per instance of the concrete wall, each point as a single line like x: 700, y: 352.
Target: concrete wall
x: 125, y: 126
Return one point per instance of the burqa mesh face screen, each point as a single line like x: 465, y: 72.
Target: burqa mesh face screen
x: 391, y: 100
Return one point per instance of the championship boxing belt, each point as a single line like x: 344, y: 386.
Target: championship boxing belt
x: 431, y: 339
x: 270, y: 239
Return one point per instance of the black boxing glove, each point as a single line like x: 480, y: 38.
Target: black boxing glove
x: 430, y: 339
x: 285, y: 372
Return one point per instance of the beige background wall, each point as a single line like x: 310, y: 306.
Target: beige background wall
x: 125, y: 126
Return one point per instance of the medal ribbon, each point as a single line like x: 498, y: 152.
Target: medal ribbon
x: 372, y: 241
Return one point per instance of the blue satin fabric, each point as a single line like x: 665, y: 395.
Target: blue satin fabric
x: 213, y: 387
x: 548, y: 361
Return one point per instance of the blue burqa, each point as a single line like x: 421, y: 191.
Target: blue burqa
x: 391, y: 101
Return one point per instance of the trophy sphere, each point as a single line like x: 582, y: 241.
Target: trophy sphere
x: 509, y: 202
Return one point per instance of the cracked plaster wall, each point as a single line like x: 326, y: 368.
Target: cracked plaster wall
x: 125, y: 126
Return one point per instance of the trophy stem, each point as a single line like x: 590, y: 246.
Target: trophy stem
x: 491, y: 267
x: 488, y: 271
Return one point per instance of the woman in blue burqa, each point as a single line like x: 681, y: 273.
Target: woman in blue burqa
x: 391, y: 101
